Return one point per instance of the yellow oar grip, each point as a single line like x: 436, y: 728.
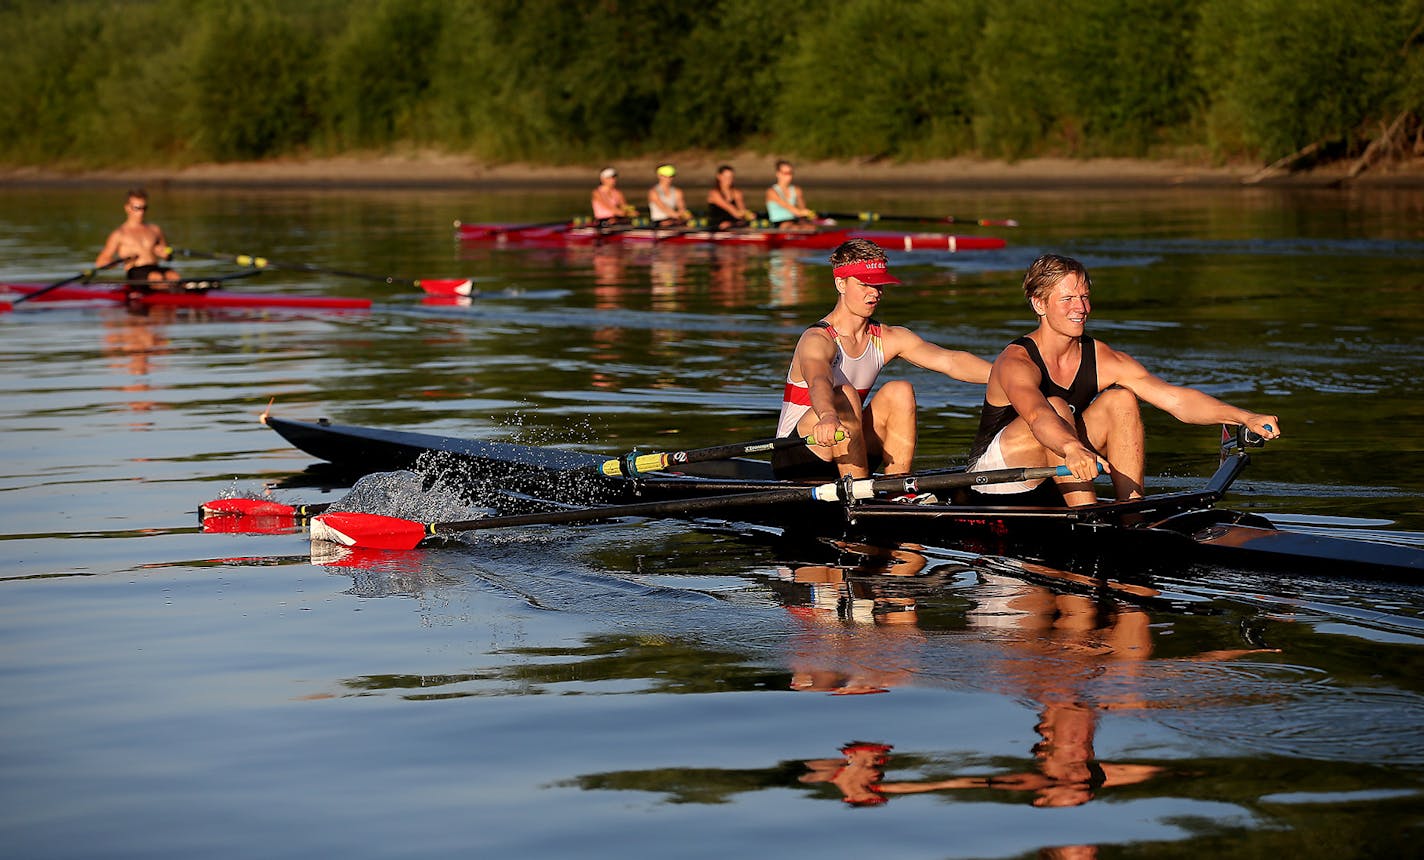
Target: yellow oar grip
x: 641, y: 463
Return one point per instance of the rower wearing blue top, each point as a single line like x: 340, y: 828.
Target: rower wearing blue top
x: 785, y: 204
x: 834, y: 367
x: 1058, y: 397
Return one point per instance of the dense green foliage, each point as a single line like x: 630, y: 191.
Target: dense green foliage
x: 108, y: 82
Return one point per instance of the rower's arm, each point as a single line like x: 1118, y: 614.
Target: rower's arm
x: 1018, y: 377
x: 110, y: 253
x: 812, y: 361
x: 955, y: 363
x: 1187, y: 405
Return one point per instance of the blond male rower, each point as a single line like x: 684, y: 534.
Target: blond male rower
x: 834, y: 367
x: 141, y: 243
x: 1057, y: 396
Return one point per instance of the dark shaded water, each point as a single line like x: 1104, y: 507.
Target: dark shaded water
x: 651, y: 687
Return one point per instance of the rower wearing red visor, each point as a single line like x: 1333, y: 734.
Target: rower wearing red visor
x: 829, y: 386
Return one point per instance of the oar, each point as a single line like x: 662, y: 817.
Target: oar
x: 374, y: 531
x: 920, y: 219
x: 633, y: 464
x: 437, y: 286
x: 482, y: 230
x: 257, y: 508
x: 82, y: 276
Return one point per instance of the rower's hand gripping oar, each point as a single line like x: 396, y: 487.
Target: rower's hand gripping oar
x: 82, y: 276
x: 633, y: 464
x: 434, y: 286
x: 374, y: 531
x: 869, y: 217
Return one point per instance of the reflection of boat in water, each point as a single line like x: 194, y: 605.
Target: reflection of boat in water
x: 1171, y: 528
x: 210, y: 295
x: 822, y: 238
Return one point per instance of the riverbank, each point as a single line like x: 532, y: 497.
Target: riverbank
x: 437, y: 170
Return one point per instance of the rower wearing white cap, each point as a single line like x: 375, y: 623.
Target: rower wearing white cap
x: 666, y: 207
x: 609, y: 204
x: 836, y: 362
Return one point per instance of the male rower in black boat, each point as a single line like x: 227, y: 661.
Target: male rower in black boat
x: 1057, y: 396
x: 141, y: 243
x: 610, y: 207
x: 834, y: 367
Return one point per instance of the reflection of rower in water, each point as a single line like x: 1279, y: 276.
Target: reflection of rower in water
x: 877, y: 624
x: 1057, y: 645
x: 1069, y: 641
x: 141, y: 243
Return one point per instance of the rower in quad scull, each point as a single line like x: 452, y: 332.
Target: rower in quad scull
x: 610, y: 207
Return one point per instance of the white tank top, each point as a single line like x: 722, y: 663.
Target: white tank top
x: 859, y: 371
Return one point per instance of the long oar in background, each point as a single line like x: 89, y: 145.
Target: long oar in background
x: 869, y: 217
x: 82, y: 276
x: 374, y: 531
x: 434, y: 286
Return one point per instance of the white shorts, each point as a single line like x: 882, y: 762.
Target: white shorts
x: 993, y: 458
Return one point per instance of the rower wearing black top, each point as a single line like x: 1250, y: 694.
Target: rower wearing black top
x: 1030, y: 418
x: 726, y: 205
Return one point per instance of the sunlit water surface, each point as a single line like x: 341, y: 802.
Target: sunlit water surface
x: 657, y: 689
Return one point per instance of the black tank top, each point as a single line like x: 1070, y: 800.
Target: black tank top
x: 992, y: 418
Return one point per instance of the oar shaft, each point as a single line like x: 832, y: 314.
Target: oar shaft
x: 921, y: 219
x: 259, y: 262
x: 633, y: 464
x: 381, y: 532
x: 82, y: 276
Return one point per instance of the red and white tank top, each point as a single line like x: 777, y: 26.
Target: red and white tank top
x: 859, y: 371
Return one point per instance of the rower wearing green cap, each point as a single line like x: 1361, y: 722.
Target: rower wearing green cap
x: 666, y: 206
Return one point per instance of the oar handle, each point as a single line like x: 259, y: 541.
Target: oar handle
x: 633, y: 464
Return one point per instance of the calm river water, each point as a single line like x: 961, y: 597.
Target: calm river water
x: 658, y: 689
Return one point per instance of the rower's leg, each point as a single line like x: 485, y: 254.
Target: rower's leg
x: 850, y: 455
x: 1112, y: 424
x: 890, y: 426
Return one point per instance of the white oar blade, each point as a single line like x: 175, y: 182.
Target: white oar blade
x: 371, y: 531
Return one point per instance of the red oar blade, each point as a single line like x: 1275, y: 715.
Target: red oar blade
x: 371, y: 531
x: 447, y: 286
x: 246, y: 508
x: 250, y: 525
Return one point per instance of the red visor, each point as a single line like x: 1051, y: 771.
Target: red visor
x: 875, y: 273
